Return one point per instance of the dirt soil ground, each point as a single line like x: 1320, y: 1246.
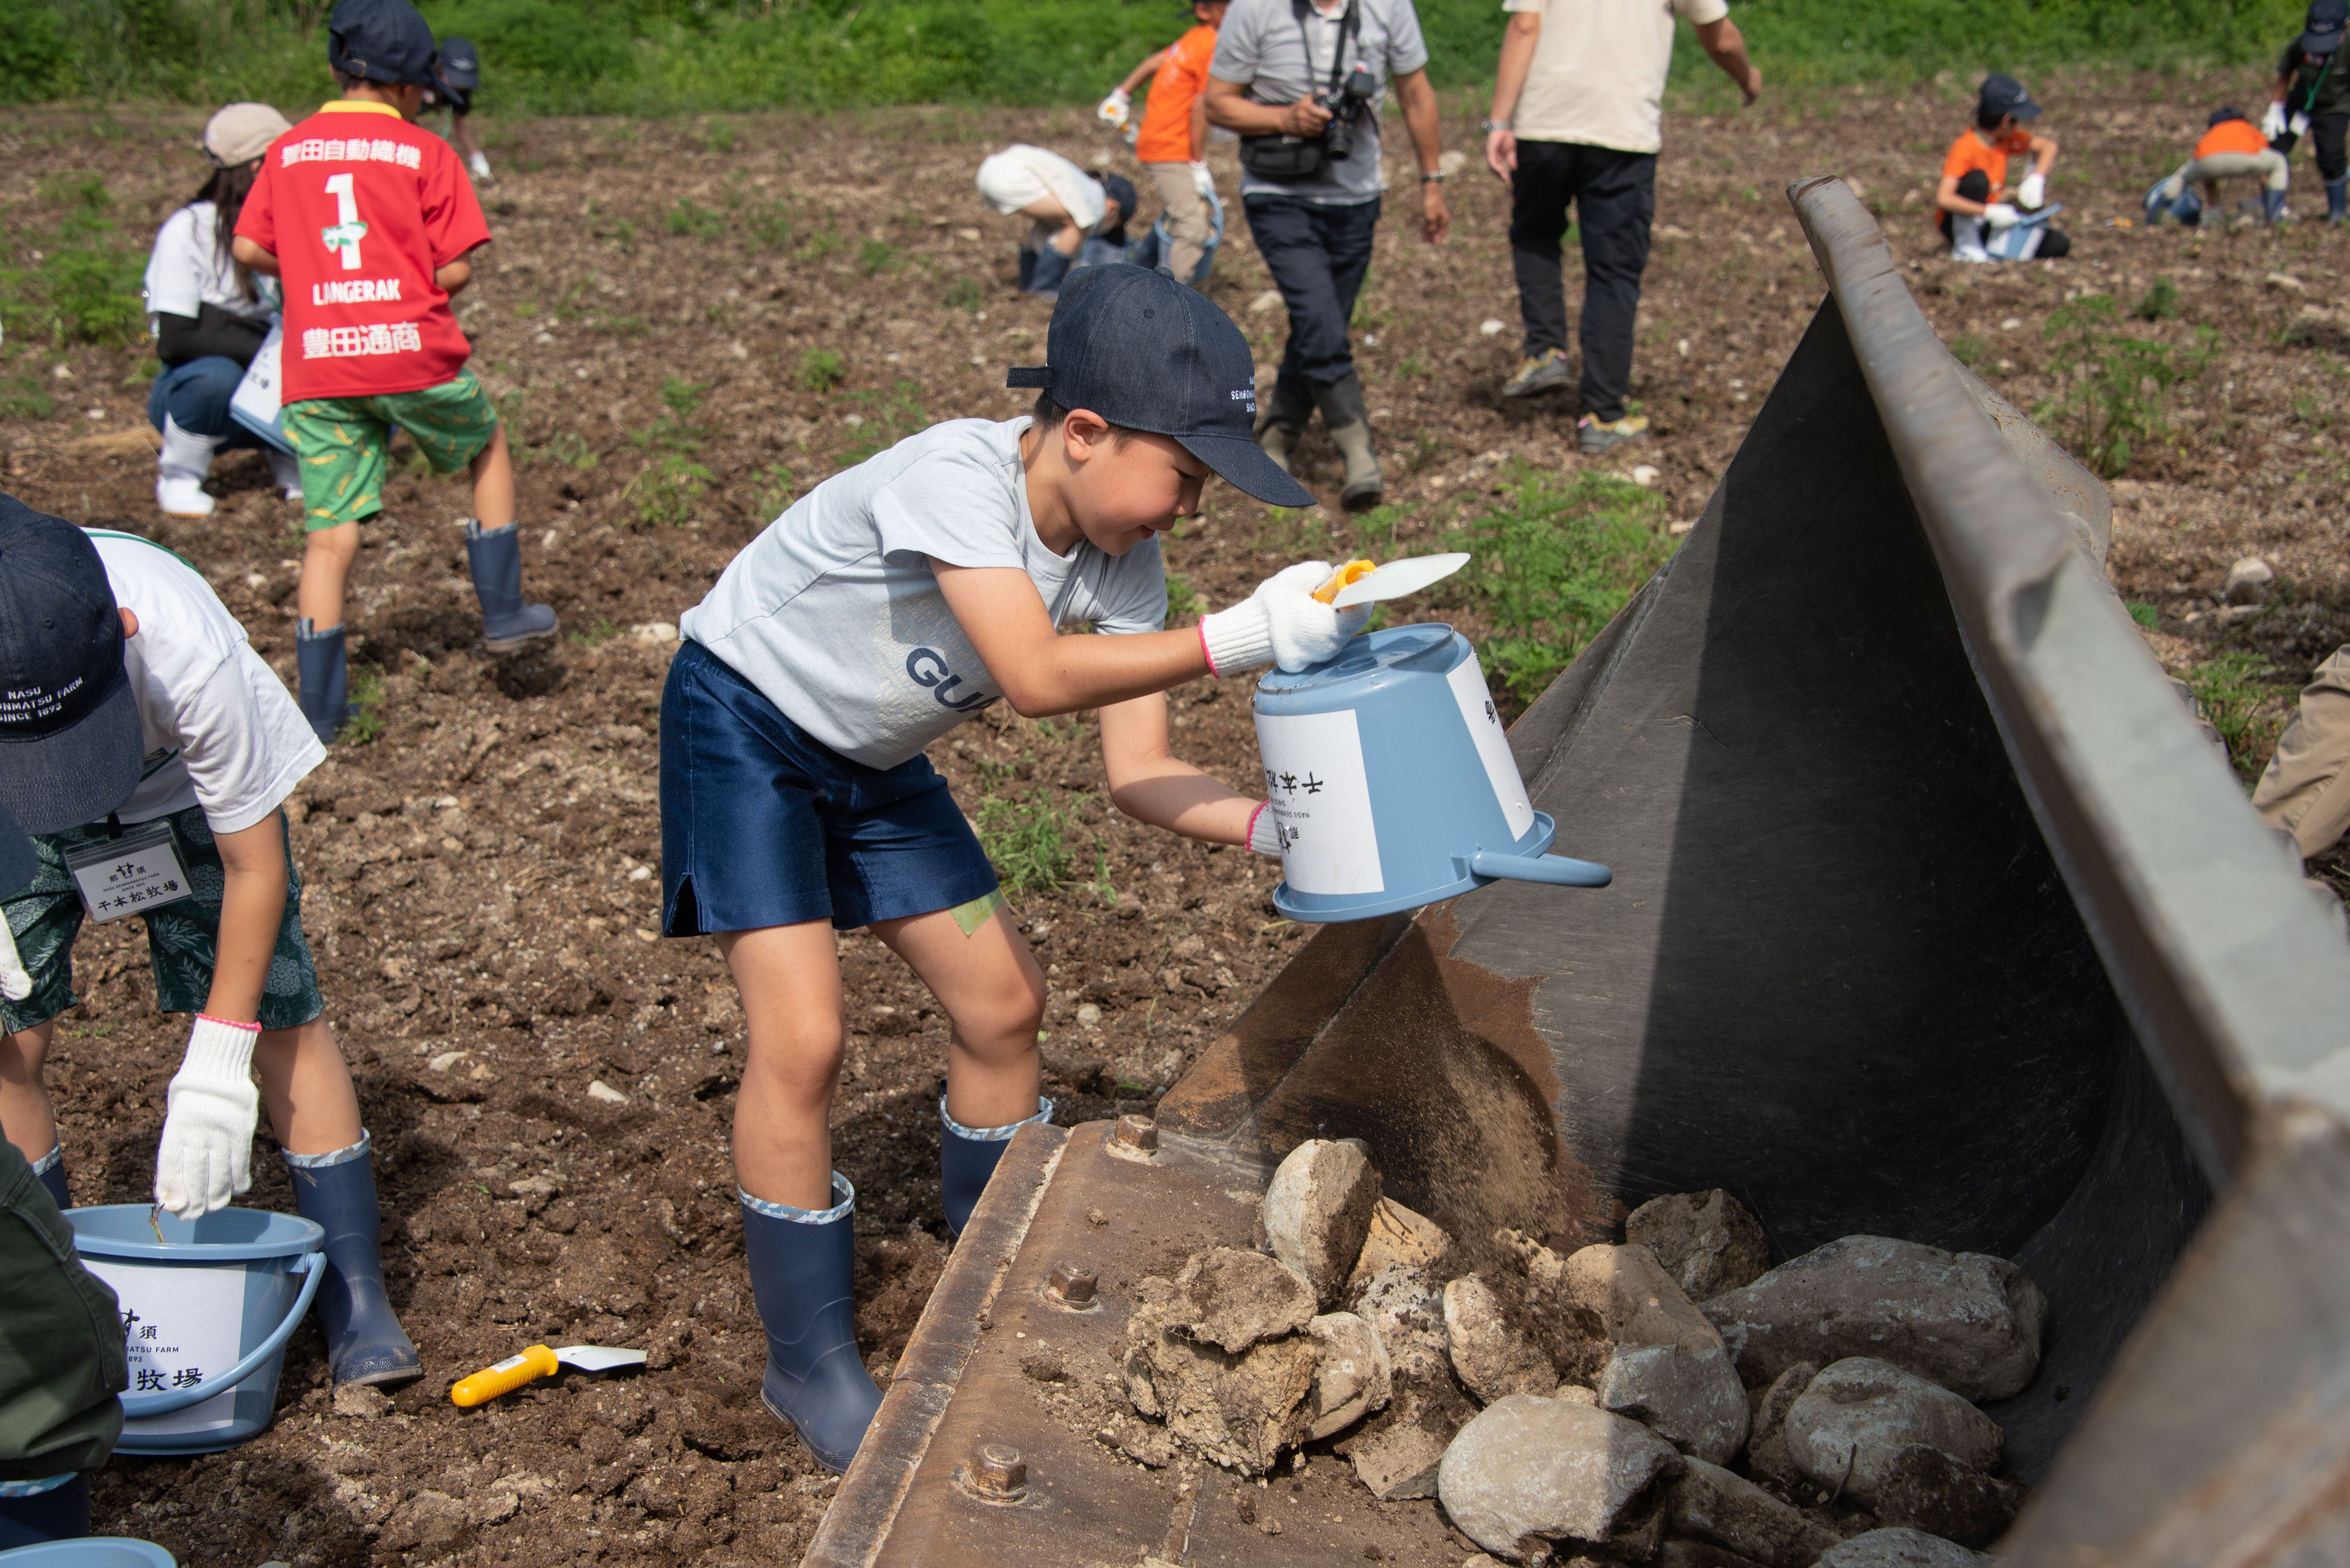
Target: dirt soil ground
x: 482, y: 883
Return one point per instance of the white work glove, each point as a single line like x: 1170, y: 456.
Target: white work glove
x: 1202, y: 181
x: 2298, y: 125
x: 210, y: 1112
x: 2001, y: 215
x: 2272, y: 122
x: 1264, y: 834
x: 480, y: 164
x: 1113, y: 111
x: 1282, y: 623
x: 2033, y: 191
x: 15, y: 984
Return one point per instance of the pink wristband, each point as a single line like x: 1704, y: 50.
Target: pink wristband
x: 255, y: 1028
x: 1249, y: 841
x: 1211, y: 657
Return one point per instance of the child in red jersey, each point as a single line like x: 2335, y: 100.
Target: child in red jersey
x: 370, y: 223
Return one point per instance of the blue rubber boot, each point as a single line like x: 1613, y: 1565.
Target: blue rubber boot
x: 2273, y: 207
x: 1027, y: 268
x: 365, y: 1342
x: 496, y: 558
x: 967, y: 1157
x: 61, y: 1514
x: 803, y: 1267
x: 1045, y: 278
x: 51, y: 1170
x: 2338, y: 200
x: 318, y: 661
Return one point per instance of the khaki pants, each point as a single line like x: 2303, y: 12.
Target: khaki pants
x: 2306, y: 789
x: 2269, y: 168
x: 1188, y: 218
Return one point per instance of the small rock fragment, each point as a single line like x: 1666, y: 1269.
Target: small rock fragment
x: 1317, y: 1211
x: 2248, y: 581
x: 1706, y: 1241
x: 1691, y: 1396
x: 1405, y: 1308
x: 1734, y: 1513
x: 1396, y: 1452
x: 1235, y: 1299
x: 1494, y: 1356
x: 360, y: 1401
x: 1902, y: 1549
x: 1398, y: 1239
x: 1354, y: 1379
x: 1530, y: 1470
x: 599, y: 1090
x: 1766, y: 1438
x: 1267, y: 300
x: 1928, y: 1490
x: 1845, y: 1430
x: 1967, y: 1320
x: 1240, y: 1410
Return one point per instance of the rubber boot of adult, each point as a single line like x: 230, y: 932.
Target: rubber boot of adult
x: 2273, y: 207
x: 60, y: 1513
x: 325, y: 677
x: 2338, y: 200
x: 365, y: 1342
x: 495, y: 556
x: 180, y: 470
x: 50, y: 1170
x: 1350, y: 433
x: 1046, y: 278
x: 1281, y: 423
x: 967, y: 1157
x: 803, y: 1270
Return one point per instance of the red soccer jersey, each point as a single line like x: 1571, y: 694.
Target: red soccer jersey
x: 361, y: 208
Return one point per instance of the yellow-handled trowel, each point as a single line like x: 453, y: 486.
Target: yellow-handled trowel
x: 539, y: 1361
x: 1363, y: 582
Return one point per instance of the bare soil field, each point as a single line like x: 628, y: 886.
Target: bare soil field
x: 690, y: 321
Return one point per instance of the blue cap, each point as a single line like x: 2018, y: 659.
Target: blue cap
x: 380, y: 41
x: 460, y: 65
x: 2325, y: 25
x: 69, y: 742
x: 1145, y: 353
x: 18, y: 864
x: 2005, y: 95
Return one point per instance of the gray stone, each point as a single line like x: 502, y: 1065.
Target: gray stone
x: 1928, y: 1490
x: 1240, y: 1410
x: 1766, y: 1438
x: 1494, y: 1356
x: 1967, y: 1320
x: 1706, y: 1241
x: 1405, y: 1308
x: 1845, y: 1430
x: 1902, y: 1549
x: 1692, y: 1398
x: 1529, y: 1469
x: 1398, y: 1239
x: 1632, y: 1299
x: 2248, y: 581
x: 1317, y: 1211
x: 1354, y: 1379
x: 1734, y: 1513
x: 1233, y: 1299
x: 1664, y: 1363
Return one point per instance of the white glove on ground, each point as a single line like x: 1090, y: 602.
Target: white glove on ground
x: 1202, y: 181
x: 2032, y: 191
x: 2298, y: 125
x: 1281, y: 623
x: 480, y: 164
x: 210, y: 1112
x: 15, y: 984
x: 2001, y: 215
x: 1114, y: 109
x: 2272, y: 122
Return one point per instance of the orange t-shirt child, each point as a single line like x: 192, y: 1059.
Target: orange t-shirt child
x: 1181, y: 77
x: 1971, y: 152
x: 2232, y: 135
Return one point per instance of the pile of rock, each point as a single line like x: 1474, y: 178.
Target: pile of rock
x: 1666, y: 1401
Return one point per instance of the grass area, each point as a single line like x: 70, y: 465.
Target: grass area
x: 1032, y: 839
x: 68, y: 272
x: 364, y: 724
x: 2115, y: 387
x: 2247, y: 703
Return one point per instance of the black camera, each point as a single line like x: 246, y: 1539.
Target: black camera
x: 1347, y: 106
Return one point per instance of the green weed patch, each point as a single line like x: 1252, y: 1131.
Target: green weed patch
x: 1031, y: 839
x: 2246, y: 703
x: 2114, y: 389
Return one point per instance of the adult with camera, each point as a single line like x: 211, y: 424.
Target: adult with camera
x: 1302, y: 81
x: 1578, y: 117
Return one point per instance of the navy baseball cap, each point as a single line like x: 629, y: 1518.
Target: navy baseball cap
x: 461, y: 65
x: 1144, y: 352
x: 2325, y: 25
x: 69, y: 742
x: 2005, y: 95
x: 380, y: 41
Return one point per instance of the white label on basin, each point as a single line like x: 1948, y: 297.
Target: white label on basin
x: 1468, y: 685
x: 1321, y: 802
x: 180, y: 1326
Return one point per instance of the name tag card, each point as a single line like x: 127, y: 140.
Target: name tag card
x: 131, y: 875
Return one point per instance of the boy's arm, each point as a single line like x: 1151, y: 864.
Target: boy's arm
x: 1151, y: 785
x: 1042, y: 673
x: 1200, y: 126
x: 1150, y: 66
x: 2044, y: 153
x: 253, y: 903
x: 252, y: 257
x: 452, y: 279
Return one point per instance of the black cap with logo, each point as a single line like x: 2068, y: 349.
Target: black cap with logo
x: 380, y: 41
x: 2324, y: 27
x: 1144, y: 352
x: 2005, y: 95
x: 69, y: 743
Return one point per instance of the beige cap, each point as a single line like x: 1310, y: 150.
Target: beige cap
x: 243, y: 132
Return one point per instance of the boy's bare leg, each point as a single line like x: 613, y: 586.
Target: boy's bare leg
x: 26, y: 1117
x: 312, y: 1106
x: 1066, y: 235
x: 789, y: 977
x: 326, y: 560
x: 494, y: 484
x: 995, y: 997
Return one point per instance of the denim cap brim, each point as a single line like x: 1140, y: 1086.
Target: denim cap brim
x: 1241, y: 463
x: 76, y: 776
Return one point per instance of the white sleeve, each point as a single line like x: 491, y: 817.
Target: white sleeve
x: 1136, y: 600
x: 176, y: 273
x: 1081, y: 195
x: 1701, y: 13
x: 243, y: 740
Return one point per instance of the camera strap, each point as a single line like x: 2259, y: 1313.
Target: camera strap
x: 1338, y: 57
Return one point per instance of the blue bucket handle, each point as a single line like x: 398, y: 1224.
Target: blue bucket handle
x: 138, y: 1407
x: 1558, y: 871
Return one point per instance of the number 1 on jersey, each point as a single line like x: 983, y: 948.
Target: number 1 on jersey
x: 344, y: 234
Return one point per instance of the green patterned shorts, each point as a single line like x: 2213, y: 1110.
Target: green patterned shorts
x: 180, y: 938
x: 344, y: 443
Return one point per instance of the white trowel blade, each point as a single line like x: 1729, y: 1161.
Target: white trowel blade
x: 599, y: 1357
x: 1397, y: 579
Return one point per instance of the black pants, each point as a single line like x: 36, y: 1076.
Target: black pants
x: 2327, y: 133
x: 1317, y: 254
x: 1615, y: 195
x: 1975, y: 186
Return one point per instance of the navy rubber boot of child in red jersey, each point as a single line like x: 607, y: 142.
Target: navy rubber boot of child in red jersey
x: 50, y: 1169
x: 803, y: 1267
x: 324, y: 679
x: 60, y: 1513
x: 967, y: 1157
x: 365, y: 1342
x: 495, y: 556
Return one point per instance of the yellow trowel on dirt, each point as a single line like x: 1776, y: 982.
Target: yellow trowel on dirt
x: 1365, y: 582
x: 539, y: 1361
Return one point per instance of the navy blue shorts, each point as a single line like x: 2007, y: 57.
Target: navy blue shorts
x: 762, y: 825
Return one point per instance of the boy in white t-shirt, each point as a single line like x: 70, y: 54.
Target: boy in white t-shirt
x: 886, y: 607
x: 1065, y: 207
x: 148, y: 749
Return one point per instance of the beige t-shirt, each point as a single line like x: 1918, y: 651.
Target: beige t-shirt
x: 1598, y: 73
